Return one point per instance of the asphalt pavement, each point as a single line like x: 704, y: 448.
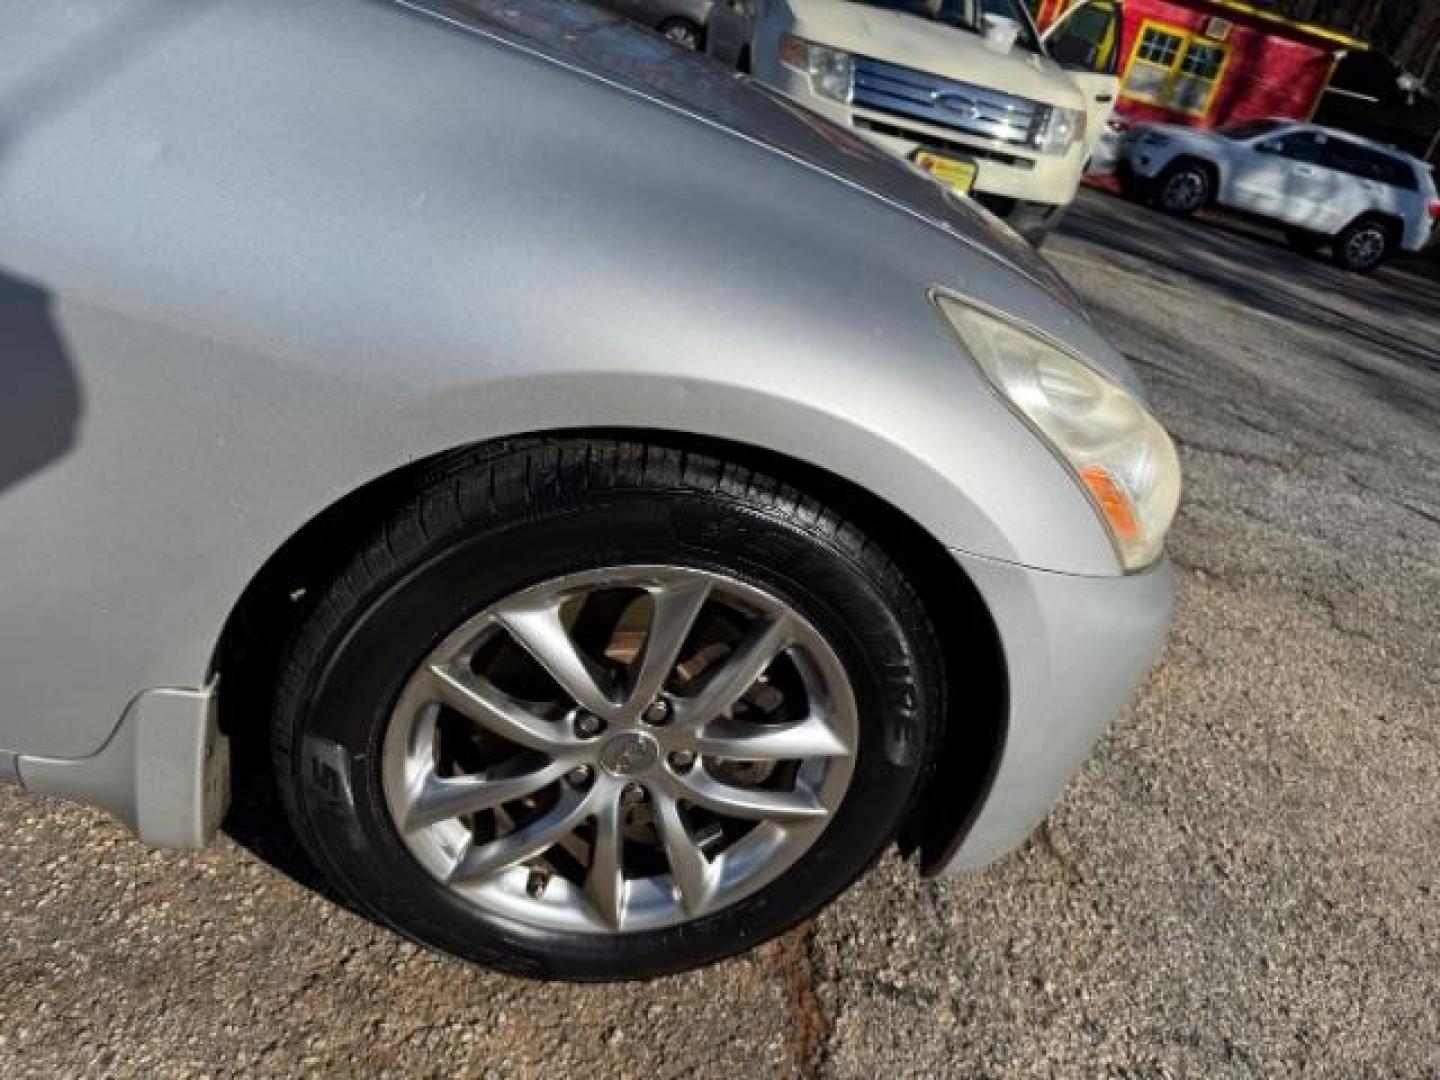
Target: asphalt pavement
x: 1243, y: 881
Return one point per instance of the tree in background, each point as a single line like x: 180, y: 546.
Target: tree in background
x: 1408, y: 31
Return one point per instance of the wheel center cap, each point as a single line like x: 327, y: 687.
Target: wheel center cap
x: 629, y: 753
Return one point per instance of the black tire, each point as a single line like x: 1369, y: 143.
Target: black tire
x: 684, y: 33
x: 1306, y: 243
x: 1363, y: 245
x: 1132, y: 185
x: 496, y: 521
x: 1183, y: 188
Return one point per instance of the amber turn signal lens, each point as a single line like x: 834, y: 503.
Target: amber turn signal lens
x: 1113, y: 502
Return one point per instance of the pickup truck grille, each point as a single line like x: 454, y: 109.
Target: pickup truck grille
x: 959, y: 106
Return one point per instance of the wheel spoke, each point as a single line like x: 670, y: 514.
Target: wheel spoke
x: 752, y: 804
x: 694, y: 875
x: 674, y: 609
x: 605, y: 880
x: 439, y: 798
x: 485, y: 860
x: 480, y: 700
x: 519, y: 753
x: 742, y: 741
x: 542, y: 633
x: 749, y: 660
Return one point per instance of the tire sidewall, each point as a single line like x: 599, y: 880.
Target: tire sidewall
x: 1342, y: 247
x: 340, y: 729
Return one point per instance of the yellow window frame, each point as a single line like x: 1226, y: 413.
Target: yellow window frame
x: 1173, y: 73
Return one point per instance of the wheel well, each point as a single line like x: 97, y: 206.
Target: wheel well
x: 1393, y: 225
x: 276, y: 601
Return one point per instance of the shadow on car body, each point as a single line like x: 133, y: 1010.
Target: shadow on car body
x: 40, y: 400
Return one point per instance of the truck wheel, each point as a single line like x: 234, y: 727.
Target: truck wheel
x: 684, y: 33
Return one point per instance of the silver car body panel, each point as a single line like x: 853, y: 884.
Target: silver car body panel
x: 164, y: 771
x: 258, y: 254
x: 1076, y: 649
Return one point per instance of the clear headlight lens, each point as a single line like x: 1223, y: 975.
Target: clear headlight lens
x: 1063, y: 128
x: 1118, y: 452
x: 831, y: 71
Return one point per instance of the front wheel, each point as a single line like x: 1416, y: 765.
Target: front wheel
x: 1362, y: 246
x: 1183, y: 189
x: 597, y: 710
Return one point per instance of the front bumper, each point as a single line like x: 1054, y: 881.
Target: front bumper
x: 1004, y: 172
x: 1075, y: 650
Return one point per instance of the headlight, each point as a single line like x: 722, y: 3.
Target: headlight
x: 831, y: 71
x: 1117, y: 451
x: 1062, y: 128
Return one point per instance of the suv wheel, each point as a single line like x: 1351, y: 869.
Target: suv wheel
x: 1363, y: 245
x: 1183, y: 189
x: 604, y: 710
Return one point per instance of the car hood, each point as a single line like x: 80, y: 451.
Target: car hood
x: 934, y: 47
x: 603, y: 46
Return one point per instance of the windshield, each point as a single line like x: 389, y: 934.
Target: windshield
x: 1248, y: 129
x: 966, y: 15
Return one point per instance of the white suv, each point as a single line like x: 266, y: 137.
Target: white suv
x: 1363, y: 199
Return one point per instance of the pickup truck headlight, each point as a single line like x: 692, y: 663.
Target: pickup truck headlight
x: 1063, y: 128
x: 831, y: 71
x: 1116, y: 450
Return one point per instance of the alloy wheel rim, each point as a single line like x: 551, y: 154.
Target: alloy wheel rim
x: 682, y: 36
x: 1184, y: 191
x: 620, y: 749
x: 1366, y: 247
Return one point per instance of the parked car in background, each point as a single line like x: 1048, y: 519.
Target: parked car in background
x: 1322, y: 186
x: 966, y: 89
x: 682, y: 22
x: 614, y: 503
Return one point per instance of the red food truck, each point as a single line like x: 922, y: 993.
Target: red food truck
x: 1205, y: 62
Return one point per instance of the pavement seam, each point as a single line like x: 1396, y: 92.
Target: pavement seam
x: 807, y: 1036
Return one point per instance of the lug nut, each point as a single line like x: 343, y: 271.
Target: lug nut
x: 682, y: 760
x: 658, y: 712
x: 587, y: 725
x: 632, y: 794
x: 580, y: 776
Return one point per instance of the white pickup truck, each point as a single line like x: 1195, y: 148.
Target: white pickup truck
x: 967, y: 89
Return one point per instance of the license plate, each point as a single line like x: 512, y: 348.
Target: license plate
x: 953, y: 172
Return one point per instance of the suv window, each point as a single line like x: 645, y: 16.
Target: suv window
x: 1089, y: 40
x: 1348, y: 157
x: 1248, y: 129
x: 1307, y: 146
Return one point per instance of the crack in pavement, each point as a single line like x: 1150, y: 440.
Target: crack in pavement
x: 807, y: 1036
